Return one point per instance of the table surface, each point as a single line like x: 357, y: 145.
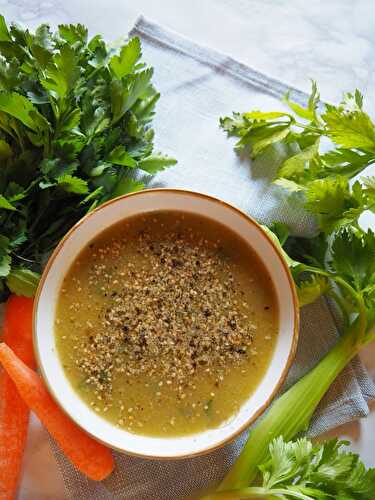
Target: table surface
x: 332, y: 42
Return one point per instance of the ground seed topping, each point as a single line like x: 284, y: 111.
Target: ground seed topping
x: 178, y: 312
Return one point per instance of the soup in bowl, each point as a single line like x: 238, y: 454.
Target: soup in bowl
x: 165, y: 322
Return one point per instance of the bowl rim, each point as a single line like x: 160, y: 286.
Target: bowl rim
x: 256, y: 414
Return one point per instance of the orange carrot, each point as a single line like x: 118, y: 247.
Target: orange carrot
x: 89, y: 456
x: 18, y: 328
x: 14, y: 414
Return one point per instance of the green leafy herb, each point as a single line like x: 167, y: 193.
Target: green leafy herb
x: 301, y: 470
x: 22, y: 282
x: 311, y: 289
x: 74, y: 128
x: 323, y: 177
x: 339, y: 262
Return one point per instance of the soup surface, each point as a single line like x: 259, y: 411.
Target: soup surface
x: 166, y: 323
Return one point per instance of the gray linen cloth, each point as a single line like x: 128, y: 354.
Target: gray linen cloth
x: 198, y: 86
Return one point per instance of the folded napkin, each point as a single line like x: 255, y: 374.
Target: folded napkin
x: 198, y: 86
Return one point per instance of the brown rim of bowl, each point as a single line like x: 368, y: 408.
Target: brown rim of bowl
x: 291, y: 352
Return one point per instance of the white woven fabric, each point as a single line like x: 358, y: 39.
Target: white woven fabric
x: 197, y: 87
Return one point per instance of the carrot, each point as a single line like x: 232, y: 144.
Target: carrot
x: 18, y: 328
x: 14, y: 414
x: 90, y: 457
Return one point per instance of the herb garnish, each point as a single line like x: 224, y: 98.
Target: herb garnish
x: 320, y: 176
x: 74, y: 125
x: 300, y: 470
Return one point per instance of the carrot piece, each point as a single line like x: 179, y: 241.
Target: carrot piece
x: 14, y: 413
x: 90, y: 457
x: 18, y: 328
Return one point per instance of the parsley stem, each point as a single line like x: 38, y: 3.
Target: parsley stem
x: 343, y: 305
x: 362, y: 317
x: 19, y: 135
x: 309, y: 127
x: 351, y: 291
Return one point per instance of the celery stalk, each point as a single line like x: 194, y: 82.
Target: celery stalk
x: 290, y: 414
x: 252, y: 493
x: 259, y: 493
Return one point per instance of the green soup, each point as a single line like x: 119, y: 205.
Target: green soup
x: 166, y: 323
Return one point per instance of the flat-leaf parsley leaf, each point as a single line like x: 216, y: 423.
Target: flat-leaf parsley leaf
x: 74, y: 127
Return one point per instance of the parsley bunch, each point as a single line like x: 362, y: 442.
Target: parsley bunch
x: 338, y: 262
x: 74, y: 127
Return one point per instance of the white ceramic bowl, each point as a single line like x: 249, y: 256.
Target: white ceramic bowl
x: 48, y: 291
